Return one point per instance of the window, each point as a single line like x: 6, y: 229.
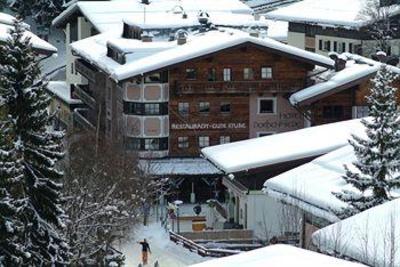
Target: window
x: 135, y: 108
x: 204, y: 141
x: 190, y: 74
x: 320, y: 47
x: 212, y: 75
x: 72, y: 68
x: 327, y: 45
x: 183, y: 142
x: 350, y: 48
x: 225, y: 107
x: 333, y: 112
x: 266, y: 105
x: 341, y: 47
x: 204, y: 107
x: 248, y: 74
x: 224, y: 139
x: 183, y: 108
x: 152, y: 78
x: 227, y: 74
x: 146, y: 143
x: 151, y: 144
x: 335, y: 46
x: 133, y: 143
x: 266, y: 73
x: 152, y: 109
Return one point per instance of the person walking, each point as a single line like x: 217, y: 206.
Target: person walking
x: 145, y: 251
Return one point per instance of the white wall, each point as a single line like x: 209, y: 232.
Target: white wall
x: 265, y: 216
x: 297, y: 39
x: 84, y: 31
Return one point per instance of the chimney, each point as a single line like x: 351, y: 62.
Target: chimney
x: 254, y: 33
x: 340, y: 63
x: 181, y: 37
x: 147, y: 37
x: 381, y: 56
x: 333, y: 55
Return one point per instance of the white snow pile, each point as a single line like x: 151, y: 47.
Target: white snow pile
x: 278, y: 256
x: 283, y: 147
x: 62, y: 90
x: 357, y: 68
x: 343, y: 13
x: 371, y: 237
x: 6, y: 22
x: 140, y: 61
x: 178, y: 166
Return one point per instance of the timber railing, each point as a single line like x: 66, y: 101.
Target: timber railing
x: 201, y: 250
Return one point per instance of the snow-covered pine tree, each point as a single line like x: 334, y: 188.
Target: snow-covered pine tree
x: 376, y: 170
x: 43, y: 11
x: 12, y: 200
x: 38, y: 148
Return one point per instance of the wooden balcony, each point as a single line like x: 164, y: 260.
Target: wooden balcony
x: 86, y: 70
x: 80, y: 120
x: 83, y: 93
x: 237, y: 87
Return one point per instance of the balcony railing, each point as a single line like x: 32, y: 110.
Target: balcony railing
x: 81, y: 121
x: 86, y: 70
x: 82, y: 91
x: 237, y: 87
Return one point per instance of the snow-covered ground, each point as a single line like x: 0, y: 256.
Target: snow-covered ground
x: 166, y: 252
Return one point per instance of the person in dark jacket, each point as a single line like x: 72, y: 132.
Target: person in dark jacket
x: 145, y: 251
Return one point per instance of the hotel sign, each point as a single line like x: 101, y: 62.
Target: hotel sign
x: 208, y: 126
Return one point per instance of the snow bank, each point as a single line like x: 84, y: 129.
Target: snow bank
x: 278, y: 256
x: 283, y: 147
x: 371, y: 237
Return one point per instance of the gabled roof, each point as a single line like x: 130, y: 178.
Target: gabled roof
x: 106, y: 15
x: 38, y: 44
x: 371, y: 237
x: 358, y: 69
x: 282, y: 147
x: 278, y: 256
x: 144, y: 58
x: 341, y: 13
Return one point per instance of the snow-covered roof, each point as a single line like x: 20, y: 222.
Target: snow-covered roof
x: 282, y: 147
x: 108, y: 15
x: 326, y: 12
x: 357, y: 69
x: 371, y: 237
x: 310, y: 186
x: 144, y: 60
x: 6, y: 22
x: 278, y: 256
x: 278, y: 30
x: 170, y: 20
x: 179, y: 166
x: 63, y: 91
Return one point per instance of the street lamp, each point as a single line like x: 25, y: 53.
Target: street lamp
x: 177, y: 203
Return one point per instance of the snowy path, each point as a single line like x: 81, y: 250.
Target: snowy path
x: 166, y: 252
